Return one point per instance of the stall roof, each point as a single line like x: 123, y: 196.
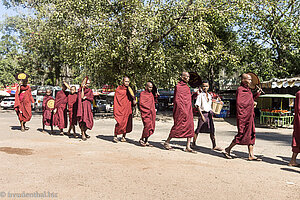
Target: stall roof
x: 288, y: 96
x: 281, y: 83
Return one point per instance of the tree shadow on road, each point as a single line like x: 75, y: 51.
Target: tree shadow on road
x: 273, y: 136
x: 269, y: 160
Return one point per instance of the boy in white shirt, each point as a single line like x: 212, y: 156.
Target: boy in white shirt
x: 205, y: 120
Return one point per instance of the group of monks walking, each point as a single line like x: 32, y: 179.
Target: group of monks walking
x: 55, y: 111
x: 78, y: 105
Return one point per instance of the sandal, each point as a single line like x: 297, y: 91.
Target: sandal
x: 255, y: 159
x: 123, y: 140
x: 149, y: 145
x: 142, y: 143
x: 190, y: 151
x: 294, y: 165
x: 167, y: 146
x: 217, y: 149
x: 227, y: 155
x: 115, y: 140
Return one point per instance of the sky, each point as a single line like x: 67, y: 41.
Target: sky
x: 6, y: 12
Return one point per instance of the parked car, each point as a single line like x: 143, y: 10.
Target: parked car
x: 41, y: 92
x: 103, y: 106
x: 8, y: 102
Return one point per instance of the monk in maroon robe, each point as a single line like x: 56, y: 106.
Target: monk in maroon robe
x: 245, y: 118
x: 84, y: 112
x: 47, y: 112
x: 296, y: 133
x: 60, y: 109
x: 148, y: 113
x: 123, y: 102
x: 72, y: 108
x: 182, y: 113
x: 23, y: 100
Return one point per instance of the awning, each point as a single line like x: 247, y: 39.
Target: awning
x: 281, y: 83
x: 287, y: 96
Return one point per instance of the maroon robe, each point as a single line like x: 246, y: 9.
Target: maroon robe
x: 60, y: 117
x: 296, y: 133
x: 182, y: 112
x: 72, y: 108
x: 23, y: 103
x: 84, y: 112
x: 47, y: 112
x: 122, y: 110
x: 148, y: 113
x: 245, y: 115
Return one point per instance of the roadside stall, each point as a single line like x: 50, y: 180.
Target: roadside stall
x: 276, y: 109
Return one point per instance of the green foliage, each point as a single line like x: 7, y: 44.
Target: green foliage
x: 152, y: 39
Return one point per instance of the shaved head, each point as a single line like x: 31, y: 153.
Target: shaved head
x: 246, y: 79
x: 73, y: 89
x: 126, y: 81
x: 149, y: 86
x: 185, y: 76
x: 245, y: 76
x: 48, y: 92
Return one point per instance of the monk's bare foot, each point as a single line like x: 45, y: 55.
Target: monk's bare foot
x: 226, y: 154
x: 22, y: 129
x: 123, y: 139
x: 44, y: 131
x: 83, y: 137
x: 149, y: 145
x: 293, y: 164
x: 61, y: 133
x: 87, y: 136
x: 217, y: 149
x: 254, y: 159
x: 115, y: 140
x: 167, y: 146
x: 190, y: 150
x: 142, y: 143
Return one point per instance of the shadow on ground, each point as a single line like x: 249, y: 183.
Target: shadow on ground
x: 15, y: 128
x: 265, y: 159
x: 131, y: 141
x: 57, y: 133
x: 291, y: 170
x: 271, y: 136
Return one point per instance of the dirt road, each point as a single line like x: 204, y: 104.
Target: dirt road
x: 68, y: 168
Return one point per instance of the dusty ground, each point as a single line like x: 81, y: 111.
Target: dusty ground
x: 99, y: 169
